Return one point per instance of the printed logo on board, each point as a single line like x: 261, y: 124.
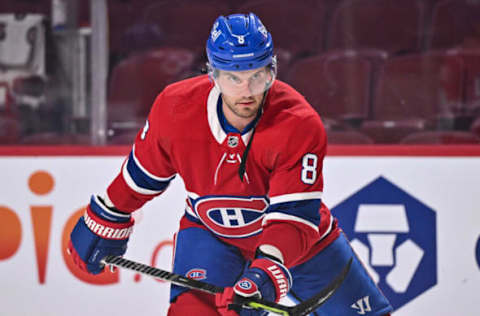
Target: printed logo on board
x: 394, y: 234
x: 477, y: 252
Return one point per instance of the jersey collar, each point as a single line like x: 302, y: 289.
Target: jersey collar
x: 214, y: 122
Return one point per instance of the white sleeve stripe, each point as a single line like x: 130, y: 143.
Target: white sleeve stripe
x: 106, y: 210
x: 108, y: 201
x: 296, y: 197
x: 272, y: 251
x: 128, y: 179
x: 287, y: 217
x: 193, y: 195
x: 145, y: 171
x: 329, y: 229
x: 190, y: 212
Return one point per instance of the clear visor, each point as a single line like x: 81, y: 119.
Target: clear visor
x: 244, y: 83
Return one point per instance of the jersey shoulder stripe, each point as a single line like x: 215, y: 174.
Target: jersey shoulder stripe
x: 139, y: 180
x: 306, y: 210
x: 296, y: 197
x: 288, y: 218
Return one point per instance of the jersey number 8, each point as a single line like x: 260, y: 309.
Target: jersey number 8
x: 309, y: 168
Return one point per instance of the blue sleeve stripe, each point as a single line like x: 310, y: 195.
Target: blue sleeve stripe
x: 141, y: 181
x: 139, y: 165
x: 303, y: 211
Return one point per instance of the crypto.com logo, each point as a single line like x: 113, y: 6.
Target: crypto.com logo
x: 395, y: 236
x: 477, y: 252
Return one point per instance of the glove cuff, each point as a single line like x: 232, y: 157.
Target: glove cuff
x: 111, y: 214
x: 116, y: 226
x: 278, y: 274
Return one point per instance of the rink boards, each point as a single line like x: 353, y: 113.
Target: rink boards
x: 411, y: 213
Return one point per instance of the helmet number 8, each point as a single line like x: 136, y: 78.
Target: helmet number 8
x: 309, y: 168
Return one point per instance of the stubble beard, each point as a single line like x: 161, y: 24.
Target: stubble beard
x: 243, y: 111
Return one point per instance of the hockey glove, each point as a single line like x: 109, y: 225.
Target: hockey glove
x: 265, y: 278
x: 100, y: 232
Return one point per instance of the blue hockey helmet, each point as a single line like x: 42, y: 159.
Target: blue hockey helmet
x: 239, y: 42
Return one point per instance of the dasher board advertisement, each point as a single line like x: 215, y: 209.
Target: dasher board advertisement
x: 414, y: 221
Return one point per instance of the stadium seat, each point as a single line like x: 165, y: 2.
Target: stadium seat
x: 347, y: 138
x: 415, y: 92
x: 29, y: 91
x: 121, y: 17
x: 184, y: 24
x: 471, y: 61
x: 10, y: 130
x: 296, y: 26
x: 123, y: 138
x: 5, y: 98
x: 336, y: 84
x: 391, y: 131
x: 475, y: 128
x: 455, y: 23
x: 53, y: 138
x: 441, y: 137
x: 25, y: 6
x: 137, y: 80
x: 390, y: 25
x: 284, y: 61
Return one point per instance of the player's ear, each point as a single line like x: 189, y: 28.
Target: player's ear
x: 210, y: 72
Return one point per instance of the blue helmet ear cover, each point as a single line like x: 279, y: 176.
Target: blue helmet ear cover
x: 239, y: 42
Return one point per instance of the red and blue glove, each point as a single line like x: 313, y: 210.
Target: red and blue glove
x: 265, y: 278
x: 100, y: 232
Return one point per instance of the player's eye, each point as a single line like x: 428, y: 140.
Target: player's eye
x: 234, y: 79
x: 259, y: 76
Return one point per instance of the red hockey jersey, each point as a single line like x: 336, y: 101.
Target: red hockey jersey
x: 279, y: 201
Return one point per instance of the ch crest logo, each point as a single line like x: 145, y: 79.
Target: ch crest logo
x: 197, y: 274
x: 230, y: 216
x: 245, y: 284
x: 362, y: 305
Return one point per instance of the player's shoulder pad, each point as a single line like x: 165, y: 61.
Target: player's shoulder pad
x: 189, y: 87
x: 286, y: 109
x: 183, y: 98
x: 284, y: 103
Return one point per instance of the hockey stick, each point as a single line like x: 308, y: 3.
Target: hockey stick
x: 301, y: 309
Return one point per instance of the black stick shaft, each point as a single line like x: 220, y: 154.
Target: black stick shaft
x: 301, y: 309
x: 162, y: 274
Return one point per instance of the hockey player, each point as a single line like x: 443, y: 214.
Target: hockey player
x: 250, y: 151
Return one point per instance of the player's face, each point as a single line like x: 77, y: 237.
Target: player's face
x: 242, y: 91
x: 248, y: 82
